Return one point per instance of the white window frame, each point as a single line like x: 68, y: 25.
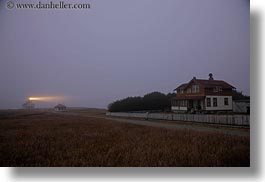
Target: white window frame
x: 215, y: 102
x: 195, y: 89
x: 226, y: 101
x: 210, y: 103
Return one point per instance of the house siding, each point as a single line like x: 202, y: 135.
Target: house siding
x: 220, y: 103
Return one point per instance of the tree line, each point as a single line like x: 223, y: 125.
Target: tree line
x: 152, y: 101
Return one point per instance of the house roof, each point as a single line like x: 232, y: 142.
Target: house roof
x: 182, y: 86
x: 183, y: 97
x: 207, y: 84
x: 59, y: 106
x: 214, y: 83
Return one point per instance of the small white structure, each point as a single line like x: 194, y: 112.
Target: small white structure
x: 28, y: 105
x: 60, y: 108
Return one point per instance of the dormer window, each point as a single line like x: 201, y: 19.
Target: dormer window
x: 217, y: 89
x: 195, y: 88
x: 180, y: 91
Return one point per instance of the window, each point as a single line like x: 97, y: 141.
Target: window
x: 180, y: 91
x: 208, y: 102
x: 195, y: 88
x: 217, y: 89
x: 214, y: 102
x: 226, y: 101
x: 182, y: 103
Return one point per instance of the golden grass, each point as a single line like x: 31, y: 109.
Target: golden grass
x: 46, y: 139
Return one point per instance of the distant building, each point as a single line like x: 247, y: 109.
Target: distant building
x: 60, y: 107
x: 241, y: 106
x: 200, y: 95
x: 29, y: 105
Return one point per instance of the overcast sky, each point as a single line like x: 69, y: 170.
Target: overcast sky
x: 121, y: 48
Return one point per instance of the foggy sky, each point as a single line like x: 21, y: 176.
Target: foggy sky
x: 121, y: 48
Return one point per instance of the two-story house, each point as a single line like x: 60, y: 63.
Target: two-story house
x: 203, y: 95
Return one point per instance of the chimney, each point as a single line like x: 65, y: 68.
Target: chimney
x: 210, y: 76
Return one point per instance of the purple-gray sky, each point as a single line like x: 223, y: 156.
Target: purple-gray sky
x: 121, y: 48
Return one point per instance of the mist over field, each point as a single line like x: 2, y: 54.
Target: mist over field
x: 121, y: 48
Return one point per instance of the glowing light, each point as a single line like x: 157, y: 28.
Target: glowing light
x: 52, y: 98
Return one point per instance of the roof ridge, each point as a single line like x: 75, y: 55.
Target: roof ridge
x: 206, y: 83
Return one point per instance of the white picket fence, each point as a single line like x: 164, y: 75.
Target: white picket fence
x: 239, y: 120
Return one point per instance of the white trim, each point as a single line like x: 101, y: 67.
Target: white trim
x: 178, y: 108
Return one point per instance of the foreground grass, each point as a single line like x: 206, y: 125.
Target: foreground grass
x: 44, y: 139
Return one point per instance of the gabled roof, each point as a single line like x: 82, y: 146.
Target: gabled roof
x: 59, y: 106
x: 214, y: 83
x: 182, y: 86
x: 207, y: 84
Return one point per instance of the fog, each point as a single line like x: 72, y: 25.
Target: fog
x: 121, y: 48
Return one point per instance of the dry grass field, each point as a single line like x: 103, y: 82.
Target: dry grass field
x: 43, y: 138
